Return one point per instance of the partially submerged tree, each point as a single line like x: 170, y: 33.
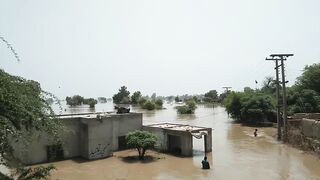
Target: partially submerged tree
x: 142, y: 141
x: 211, y: 96
x: 250, y: 107
x: 122, y: 97
x: 90, y: 101
x: 189, y: 107
x: 149, y: 105
x: 158, y: 103
x: 75, y: 100
x: 136, y: 97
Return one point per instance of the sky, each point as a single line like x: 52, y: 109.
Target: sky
x: 170, y: 47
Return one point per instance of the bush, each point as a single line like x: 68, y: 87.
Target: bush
x: 250, y: 107
x: 142, y: 101
x: 159, y: 103
x: 91, y: 102
x: 188, y: 108
x: 149, y: 105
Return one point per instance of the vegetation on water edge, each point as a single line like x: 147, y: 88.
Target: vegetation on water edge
x: 189, y: 107
x: 123, y: 97
x: 259, y: 105
x: 79, y: 100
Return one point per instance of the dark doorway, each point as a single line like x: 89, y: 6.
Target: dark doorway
x: 55, y: 152
x: 122, y: 143
x: 174, y: 144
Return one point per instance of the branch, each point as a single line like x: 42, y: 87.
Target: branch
x: 11, y: 48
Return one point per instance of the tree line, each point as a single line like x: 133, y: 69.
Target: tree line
x: 259, y: 105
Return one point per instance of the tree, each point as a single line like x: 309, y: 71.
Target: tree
x: 136, y: 97
x: 302, y: 101
x: 142, y: 101
x: 189, y: 107
x: 149, y: 105
x: 310, y: 78
x: 250, y: 107
x: 90, y: 101
x: 159, y: 103
x: 177, y: 99
x: 24, y: 110
x: 269, y: 86
x: 211, y: 96
x: 142, y: 141
x: 122, y: 97
x: 248, y: 90
x: 102, y: 99
x: 153, y: 96
x: 75, y: 100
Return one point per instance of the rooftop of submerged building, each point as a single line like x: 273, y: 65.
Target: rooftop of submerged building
x: 178, y: 127
x: 94, y: 115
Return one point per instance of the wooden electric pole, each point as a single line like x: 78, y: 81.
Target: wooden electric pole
x: 227, y: 89
x: 281, y: 57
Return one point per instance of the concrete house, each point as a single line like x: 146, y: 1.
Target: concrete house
x: 95, y: 136
x: 91, y: 136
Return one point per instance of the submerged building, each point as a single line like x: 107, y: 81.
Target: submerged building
x: 91, y: 136
x: 178, y: 138
x: 98, y: 135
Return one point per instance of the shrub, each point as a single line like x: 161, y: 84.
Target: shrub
x: 149, y: 105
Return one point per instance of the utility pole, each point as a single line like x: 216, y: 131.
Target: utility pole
x: 277, y: 97
x: 227, y: 89
x: 282, y: 58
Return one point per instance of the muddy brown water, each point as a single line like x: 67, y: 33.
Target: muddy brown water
x: 236, y: 154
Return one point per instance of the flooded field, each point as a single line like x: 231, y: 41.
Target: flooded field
x: 236, y: 154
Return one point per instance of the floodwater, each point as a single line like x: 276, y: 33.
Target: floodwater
x: 236, y: 154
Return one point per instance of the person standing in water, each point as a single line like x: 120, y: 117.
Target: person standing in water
x: 255, y: 133
x: 205, y: 163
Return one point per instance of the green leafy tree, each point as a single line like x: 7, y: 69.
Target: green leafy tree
x: 250, y: 107
x: 269, y: 86
x: 102, y: 99
x: 142, y: 141
x: 158, y: 103
x: 142, y: 101
x: 189, y: 107
x: 177, y: 99
x: 24, y: 110
x: 122, y: 97
x: 211, y: 96
x: 136, y: 97
x: 248, y: 90
x: 75, y: 100
x: 196, y: 99
x: 303, y: 101
x: 149, y: 105
x: 310, y: 78
x: 153, y: 96
x: 91, y: 102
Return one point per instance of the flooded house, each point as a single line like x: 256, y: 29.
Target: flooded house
x: 178, y: 138
x: 91, y: 136
x: 98, y: 135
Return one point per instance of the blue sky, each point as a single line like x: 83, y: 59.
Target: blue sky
x: 169, y: 47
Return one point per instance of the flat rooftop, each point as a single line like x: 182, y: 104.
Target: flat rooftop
x: 91, y: 115
x: 178, y: 127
